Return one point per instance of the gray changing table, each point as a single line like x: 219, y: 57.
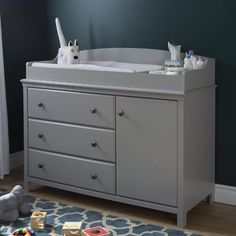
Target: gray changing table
x: 136, y: 138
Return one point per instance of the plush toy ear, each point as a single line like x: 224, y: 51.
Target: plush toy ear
x: 70, y: 43
x: 76, y: 43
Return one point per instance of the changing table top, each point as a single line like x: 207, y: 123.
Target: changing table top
x: 124, y: 69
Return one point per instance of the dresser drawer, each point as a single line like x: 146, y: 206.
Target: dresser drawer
x: 72, y: 107
x: 78, y: 172
x: 96, y: 143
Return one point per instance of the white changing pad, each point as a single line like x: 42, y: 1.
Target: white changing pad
x: 113, y: 66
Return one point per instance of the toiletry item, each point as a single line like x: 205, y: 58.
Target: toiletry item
x: 175, y: 52
x: 173, y: 65
x: 194, y: 61
x: 187, y: 62
x: 190, y: 53
x: 200, y: 62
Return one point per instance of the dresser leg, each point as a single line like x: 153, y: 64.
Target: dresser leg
x: 211, y: 198
x: 26, y: 186
x: 182, y: 219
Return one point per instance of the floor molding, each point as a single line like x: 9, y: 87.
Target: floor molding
x: 225, y: 194
x: 16, y: 159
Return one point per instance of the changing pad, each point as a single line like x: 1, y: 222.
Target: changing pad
x: 113, y: 66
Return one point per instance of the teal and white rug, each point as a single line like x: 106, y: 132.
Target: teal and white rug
x: 2, y: 191
x: 58, y: 213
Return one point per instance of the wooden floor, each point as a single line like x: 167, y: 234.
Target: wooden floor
x: 216, y: 219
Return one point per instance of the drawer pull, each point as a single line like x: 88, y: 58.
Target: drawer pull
x: 41, y: 105
x: 93, y: 110
x: 121, y: 113
x: 94, y: 176
x: 94, y: 144
x: 41, y: 136
x: 40, y: 166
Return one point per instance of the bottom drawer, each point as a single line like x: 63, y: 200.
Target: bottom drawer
x: 74, y: 171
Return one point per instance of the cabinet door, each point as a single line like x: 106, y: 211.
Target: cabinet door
x: 147, y: 149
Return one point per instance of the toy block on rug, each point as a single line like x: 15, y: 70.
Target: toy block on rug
x: 38, y: 220
x: 71, y: 229
x: 95, y: 231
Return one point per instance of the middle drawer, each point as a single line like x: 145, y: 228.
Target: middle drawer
x: 83, y: 141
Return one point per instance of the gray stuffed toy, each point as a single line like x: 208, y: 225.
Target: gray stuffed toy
x: 11, y: 205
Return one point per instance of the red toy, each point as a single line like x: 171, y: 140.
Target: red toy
x: 95, y: 231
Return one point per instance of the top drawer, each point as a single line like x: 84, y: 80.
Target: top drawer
x: 72, y: 107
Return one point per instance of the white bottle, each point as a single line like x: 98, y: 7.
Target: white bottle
x: 194, y: 62
x: 200, y: 63
x: 187, y: 62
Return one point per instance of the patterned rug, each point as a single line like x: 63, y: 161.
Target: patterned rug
x: 58, y: 213
x: 2, y: 191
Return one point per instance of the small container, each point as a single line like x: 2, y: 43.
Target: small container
x: 71, y: 229
x: 190, y: 53
x: 38, y: 220
x: 95, y: 231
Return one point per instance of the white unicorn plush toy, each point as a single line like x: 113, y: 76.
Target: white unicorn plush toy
x: 67, y: 54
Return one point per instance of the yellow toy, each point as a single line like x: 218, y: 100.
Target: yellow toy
x: 38, y: 220
x: 71, y: 229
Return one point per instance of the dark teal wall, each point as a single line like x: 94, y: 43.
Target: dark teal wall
x: 208, y: 27
x: 24, y: 28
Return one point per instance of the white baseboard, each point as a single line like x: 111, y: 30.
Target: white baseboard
x: 16, y: 159
x: 225, y: 194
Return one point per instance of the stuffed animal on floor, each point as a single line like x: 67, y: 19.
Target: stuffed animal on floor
x: 11, y: 205
x: 67, y: 54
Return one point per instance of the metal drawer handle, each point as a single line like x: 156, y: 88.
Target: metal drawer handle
x: 41, y: 136
x: 40, y: 166
x: 94, y: 144
x: 41, y: 105
x: 93, y: 110
x: 94, y: 176
x: 121, y: 113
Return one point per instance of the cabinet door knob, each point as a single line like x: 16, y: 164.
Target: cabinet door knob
x: 121, y: 113
x: 40, y: 136
x: 94, y: 176
x: 41, y: 105
x: 40, y: 166
x: 94, y: 144
x: 93, y: 110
